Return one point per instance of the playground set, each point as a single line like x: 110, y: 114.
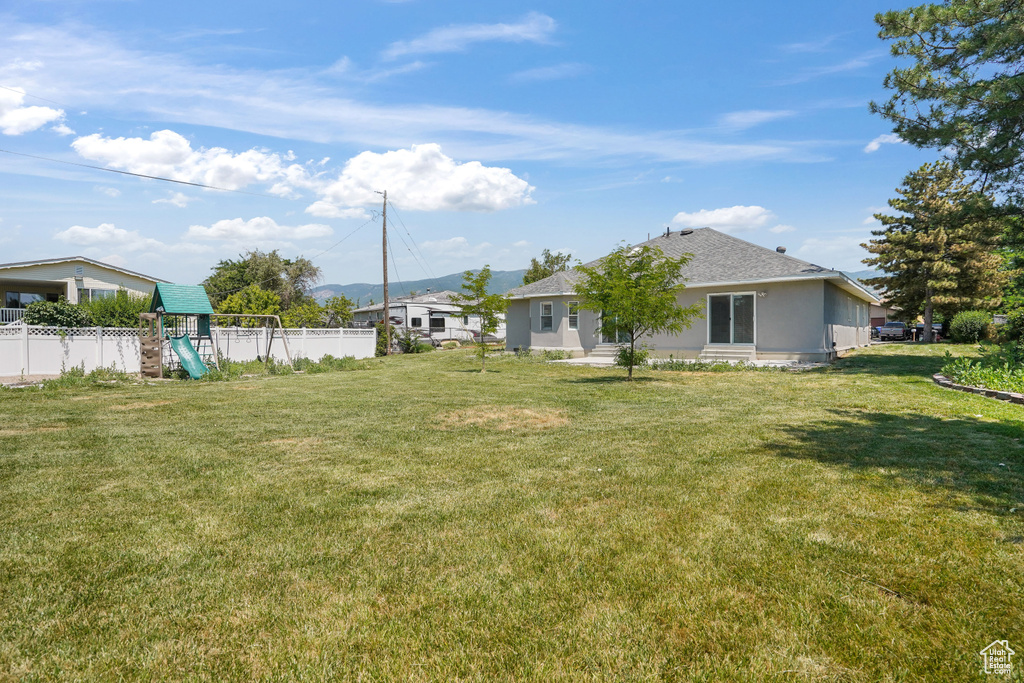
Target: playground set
x: 180, y: 314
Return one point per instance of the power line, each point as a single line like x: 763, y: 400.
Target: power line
x: 373, y: 217
x: 140, y: 175
x: 35, y: 97
x: 424, y: 265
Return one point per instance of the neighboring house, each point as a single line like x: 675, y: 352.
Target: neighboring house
x: 76, y: 278
x: 432, y: 314
x: 759, y: 304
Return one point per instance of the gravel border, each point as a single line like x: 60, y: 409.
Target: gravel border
x: 1008, y: 396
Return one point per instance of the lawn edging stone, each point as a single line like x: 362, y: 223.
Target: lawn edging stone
x: 1008, y: 396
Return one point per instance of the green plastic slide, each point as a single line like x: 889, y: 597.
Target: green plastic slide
x: 188, y: 356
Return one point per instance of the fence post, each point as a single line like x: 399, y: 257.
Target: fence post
x: 24, y: 350
x: 99, y: 347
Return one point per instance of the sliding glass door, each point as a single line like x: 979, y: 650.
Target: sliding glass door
x: 731, y: 319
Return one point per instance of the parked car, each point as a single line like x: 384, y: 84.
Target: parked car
x: 936, y: 331
x: 895, y: 331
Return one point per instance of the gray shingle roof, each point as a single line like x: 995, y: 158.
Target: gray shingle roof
x: 717, y: 257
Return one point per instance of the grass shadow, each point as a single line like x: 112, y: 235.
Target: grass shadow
x: 984, y: 460
x: 894, y: 365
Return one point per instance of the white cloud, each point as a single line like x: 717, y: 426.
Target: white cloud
x: 779, y: 229
x: 730, y: 219
x: 109, y: 191
x: 857, y: 63
x: 842, y: 252
x: 62, y: 129
x: 423, y: 178
x: 105, y: 235
x: 742, y: 120
x: 455, y: 248
x: 16, y: 118
x: 170, y: 155
x: 550, y: 73
x: 95, y: 69
x: 534, y: 27
x: 887, y: 139
x: 262, y: 228
x: 177, y: 199
x: 325, y: 209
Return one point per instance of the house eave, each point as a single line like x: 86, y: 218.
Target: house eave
x: 843, y: 282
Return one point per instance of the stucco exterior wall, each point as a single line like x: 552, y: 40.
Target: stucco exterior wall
x: 792, y: 320
x: 847, y: 319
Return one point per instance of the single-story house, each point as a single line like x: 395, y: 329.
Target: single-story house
x: 76, y: 278
x: 759, y: 304
x: 432, y: 314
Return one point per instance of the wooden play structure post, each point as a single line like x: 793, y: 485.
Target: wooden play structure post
x: 150, y: 344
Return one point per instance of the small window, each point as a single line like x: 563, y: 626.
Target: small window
x: 546, y: 317
x: 417, y: 322
x: 465, y: 320
x: 436, y: 323
x: 574, y: 315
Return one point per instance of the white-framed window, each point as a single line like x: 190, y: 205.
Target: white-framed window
x: 574, y: 315
x: 546, y: 316
x: 417, y: 322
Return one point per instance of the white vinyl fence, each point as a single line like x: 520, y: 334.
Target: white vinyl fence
x: 32, y: 350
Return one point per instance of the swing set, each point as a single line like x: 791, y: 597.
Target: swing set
x: 179, y: 314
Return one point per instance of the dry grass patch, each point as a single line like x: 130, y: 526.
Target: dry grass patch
x: 141, y: 405
x: 504, y: 418
x: 21, y: 431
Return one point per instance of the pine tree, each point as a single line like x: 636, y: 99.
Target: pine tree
x: 939, y: 253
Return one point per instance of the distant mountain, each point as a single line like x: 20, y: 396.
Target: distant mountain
x: 362, y: 292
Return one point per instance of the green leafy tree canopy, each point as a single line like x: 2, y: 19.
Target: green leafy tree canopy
x: 338, y: 311
x: 636, y: 290
x: 489, y: 307
x: 251, y: 300
x: 546, y: 267
x: 938, y: 252
x: 290, y: 280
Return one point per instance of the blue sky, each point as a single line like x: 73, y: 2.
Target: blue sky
x: 498, y: 129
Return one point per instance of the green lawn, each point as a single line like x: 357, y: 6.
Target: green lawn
x: 416, y: 520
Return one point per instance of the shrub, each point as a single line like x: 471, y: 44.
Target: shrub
x: 56, y: 314
x: 120, y: 310
x: 382, y: 344
x: 626, y: 357
x: 976, y: 374
x: 1013, y: 330
x: 970, y: 326
x: 450, y: 345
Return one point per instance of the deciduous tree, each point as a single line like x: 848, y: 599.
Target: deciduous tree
x: 251, y: 300
x: 636, y: 290
x: 290, y: 280
x: 938, y: 252
x: 547, y: 266
x: 476, y: 301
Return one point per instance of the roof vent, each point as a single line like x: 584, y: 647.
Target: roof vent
x: 685, y: 232
x: 781, y: 250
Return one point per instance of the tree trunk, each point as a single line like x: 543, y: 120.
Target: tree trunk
x: 483, y: 353
x: 927, y: 336
x: 632, y: 352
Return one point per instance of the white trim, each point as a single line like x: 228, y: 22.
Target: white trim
x: 569, y: 314
x: 541, y: 316
x: 732, y: 329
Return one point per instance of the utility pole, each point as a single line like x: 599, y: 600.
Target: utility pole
x: 387, y: 303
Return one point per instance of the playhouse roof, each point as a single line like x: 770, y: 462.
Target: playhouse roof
x: 181, y: 299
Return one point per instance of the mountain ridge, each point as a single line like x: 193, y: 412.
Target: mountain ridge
x: 362, y: 292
